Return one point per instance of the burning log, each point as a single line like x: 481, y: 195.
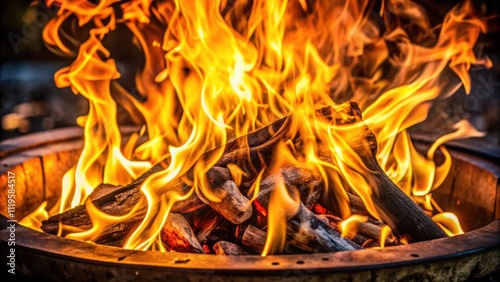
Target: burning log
x: 178, y: 236
x: 254, y: 239
x: 120, y: 200
x: 306, y: 181
x: 308, y: 232
x: 396, y: 208
x: 305, y: 230
x: 225, y: 248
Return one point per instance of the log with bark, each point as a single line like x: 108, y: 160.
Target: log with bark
x: 395, y: 208
x: 120, y: 200
x: 253, y: 153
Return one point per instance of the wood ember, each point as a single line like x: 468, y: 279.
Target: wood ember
x: 232, y: 219
x: 178, y: 236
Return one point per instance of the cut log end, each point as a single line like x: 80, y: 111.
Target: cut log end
x: 178, y: 236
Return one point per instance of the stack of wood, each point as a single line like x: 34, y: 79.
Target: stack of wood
x: 237, y: 226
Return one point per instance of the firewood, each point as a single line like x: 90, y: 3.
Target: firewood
x: 178, y: 236
x: 395, y: 208
x: 309, y: 233
x: 225, y: 248
x: 233, y: 206
x: 307, y: 182
x: 305, y: 230
x: 119, y: 201
x: 369, y: 229
x: 254, y: 239
x: 254, y: 152
x: 102, y: 190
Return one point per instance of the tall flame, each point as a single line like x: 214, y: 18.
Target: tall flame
x: 214, y: 70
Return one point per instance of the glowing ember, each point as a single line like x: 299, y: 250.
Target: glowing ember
x: 215, y: 70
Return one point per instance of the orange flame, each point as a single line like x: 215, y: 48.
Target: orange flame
x: 209, y: 76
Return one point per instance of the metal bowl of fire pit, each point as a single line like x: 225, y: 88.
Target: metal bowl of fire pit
x: 38, y: 162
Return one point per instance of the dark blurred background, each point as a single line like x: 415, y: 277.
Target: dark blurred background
x: 31, y: 102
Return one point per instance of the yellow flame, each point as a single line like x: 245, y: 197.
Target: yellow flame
x: 449, y: 223
x: 349, y: 227
x: 212, y: 72
x: 34, y: 219
x: 385, y: 231
x: 281, y: 207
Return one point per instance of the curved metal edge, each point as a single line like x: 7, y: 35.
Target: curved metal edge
x: 14, y: 145
x: 17, y: 144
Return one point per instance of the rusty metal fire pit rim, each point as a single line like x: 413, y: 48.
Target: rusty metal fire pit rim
x: 50, y: 246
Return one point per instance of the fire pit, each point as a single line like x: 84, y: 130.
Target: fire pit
x: 40, y: 160
x: 260, y: 139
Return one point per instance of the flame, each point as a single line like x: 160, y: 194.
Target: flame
x: 214, y: 71
x: 281, y: 207
x: 35, y: 218
x: 449, y: 222
x: 350, y: 226
x: 385, y: 231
